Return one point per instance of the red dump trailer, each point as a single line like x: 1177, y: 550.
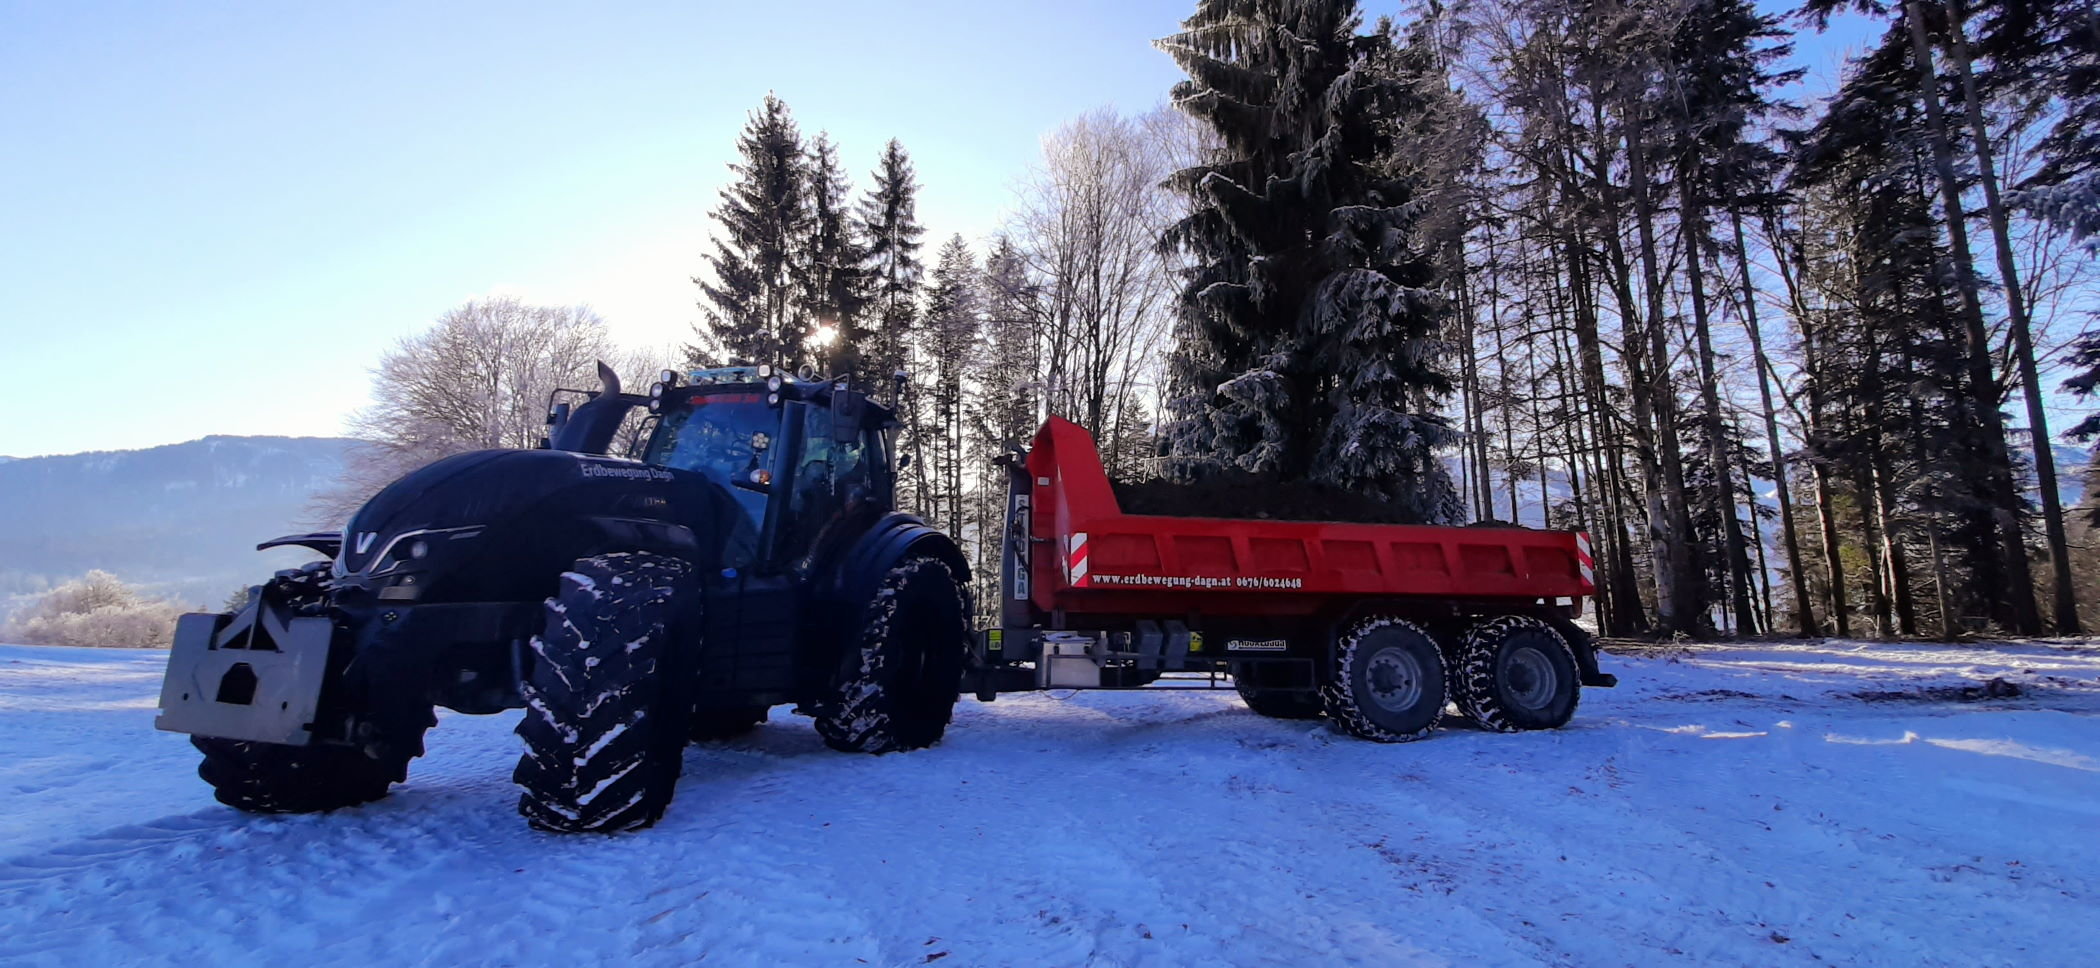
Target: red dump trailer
x: 1376, y: 626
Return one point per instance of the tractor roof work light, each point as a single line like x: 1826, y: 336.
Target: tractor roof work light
x: 668, y: 377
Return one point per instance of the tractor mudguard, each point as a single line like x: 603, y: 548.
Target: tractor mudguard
x: 328, y: 543
x: 846, y: 587
x: 861, y: 567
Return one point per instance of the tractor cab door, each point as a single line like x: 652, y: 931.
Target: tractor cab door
x: 835, y: 488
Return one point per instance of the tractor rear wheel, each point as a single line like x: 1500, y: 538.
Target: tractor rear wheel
x: 606, y: 707
x: 726, y: 722
x: 896, y: 686
x: 1388, y: 682
x: 1516, y: 673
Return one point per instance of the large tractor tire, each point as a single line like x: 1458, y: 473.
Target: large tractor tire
x: 1264, y: 695
x: 606, y: 705
x: 1516, y: 673
x: 272, y: 778
x: 896, y: 687
x: 1388, y: 681
x: 729, y: 722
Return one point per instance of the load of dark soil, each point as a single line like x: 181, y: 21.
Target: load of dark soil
x: 1239, y: 494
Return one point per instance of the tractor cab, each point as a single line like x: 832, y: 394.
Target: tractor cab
x: 806, y: 459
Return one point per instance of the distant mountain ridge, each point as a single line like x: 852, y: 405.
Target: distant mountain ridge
x: 182, y: 519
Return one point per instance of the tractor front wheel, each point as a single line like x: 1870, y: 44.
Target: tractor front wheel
x: 272, y: 778
x: 606, y: 707
x: 895, y: 688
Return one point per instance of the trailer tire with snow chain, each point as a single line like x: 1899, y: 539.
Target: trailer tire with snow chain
x: 725, y: 722
x: 1516, y: 673
x: 1258, y: 689
x: 896, y: 686
x: 1388, y: 681
x: 273, y: 778
x: 606, y: 705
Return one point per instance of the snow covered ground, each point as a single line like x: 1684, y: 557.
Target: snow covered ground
x: 1838, y: 803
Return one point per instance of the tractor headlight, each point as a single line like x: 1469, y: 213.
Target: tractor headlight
x: 656, y: 404
x: 774, y: 383
x: 658, y: 389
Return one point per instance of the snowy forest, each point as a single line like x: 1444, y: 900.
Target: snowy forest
x: 1796, y: 364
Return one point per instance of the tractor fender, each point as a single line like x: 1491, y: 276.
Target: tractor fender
x: 846, y: 588
x: 861, y: 567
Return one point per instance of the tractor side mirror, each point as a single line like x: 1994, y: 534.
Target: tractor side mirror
x: 557, y: 418
x: 845, y: 416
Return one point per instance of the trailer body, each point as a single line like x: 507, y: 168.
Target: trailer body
x: 1091, y: 596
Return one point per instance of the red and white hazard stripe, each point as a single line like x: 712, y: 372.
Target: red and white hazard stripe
x: 1585, y: 562
x: 1075, y: 560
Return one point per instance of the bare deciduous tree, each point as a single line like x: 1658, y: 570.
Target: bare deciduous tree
x: 1088, y: 224
x: 478, y: 378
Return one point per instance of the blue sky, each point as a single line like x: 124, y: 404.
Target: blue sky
x: 225, y: 213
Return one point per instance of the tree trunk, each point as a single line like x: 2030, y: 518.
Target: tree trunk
x: 2011, y: 545
x: 1833, y: 563
x: 1738, y: 564
x: 2064, y: 603
x: 1804, y: 607
x: 1670, y: 530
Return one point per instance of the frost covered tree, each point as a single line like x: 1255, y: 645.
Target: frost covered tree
x: 478, y: 378
x: 890, y: 230
x: 97, y: 610
x: 1089, y: 223
x: 752, y: 297
x: 1308, y: 344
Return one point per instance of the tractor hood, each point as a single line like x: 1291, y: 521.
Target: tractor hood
x: 504, y: 524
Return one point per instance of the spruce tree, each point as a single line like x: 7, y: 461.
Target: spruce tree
x: 1308, y: 344
x: 1007, y: 375
x: 949, y: 342
x: 751, y: 302
x: 890, y: 230
x: 834, y: 281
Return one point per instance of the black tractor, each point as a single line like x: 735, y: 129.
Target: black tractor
x: 746, y: 554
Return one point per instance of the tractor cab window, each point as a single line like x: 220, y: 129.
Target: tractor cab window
x: 833, y: 481
x: 726, y: 436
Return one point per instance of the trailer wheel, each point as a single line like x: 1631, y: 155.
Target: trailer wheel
x: 1516, y: 673
x: 896, y: 689
x: 272, y: 778
x: 726, y: 722
x: 1388, y: 683
x: 1267, y: 697
x: 606, y: 713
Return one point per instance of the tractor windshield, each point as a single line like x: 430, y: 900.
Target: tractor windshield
x: 726, y: 436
